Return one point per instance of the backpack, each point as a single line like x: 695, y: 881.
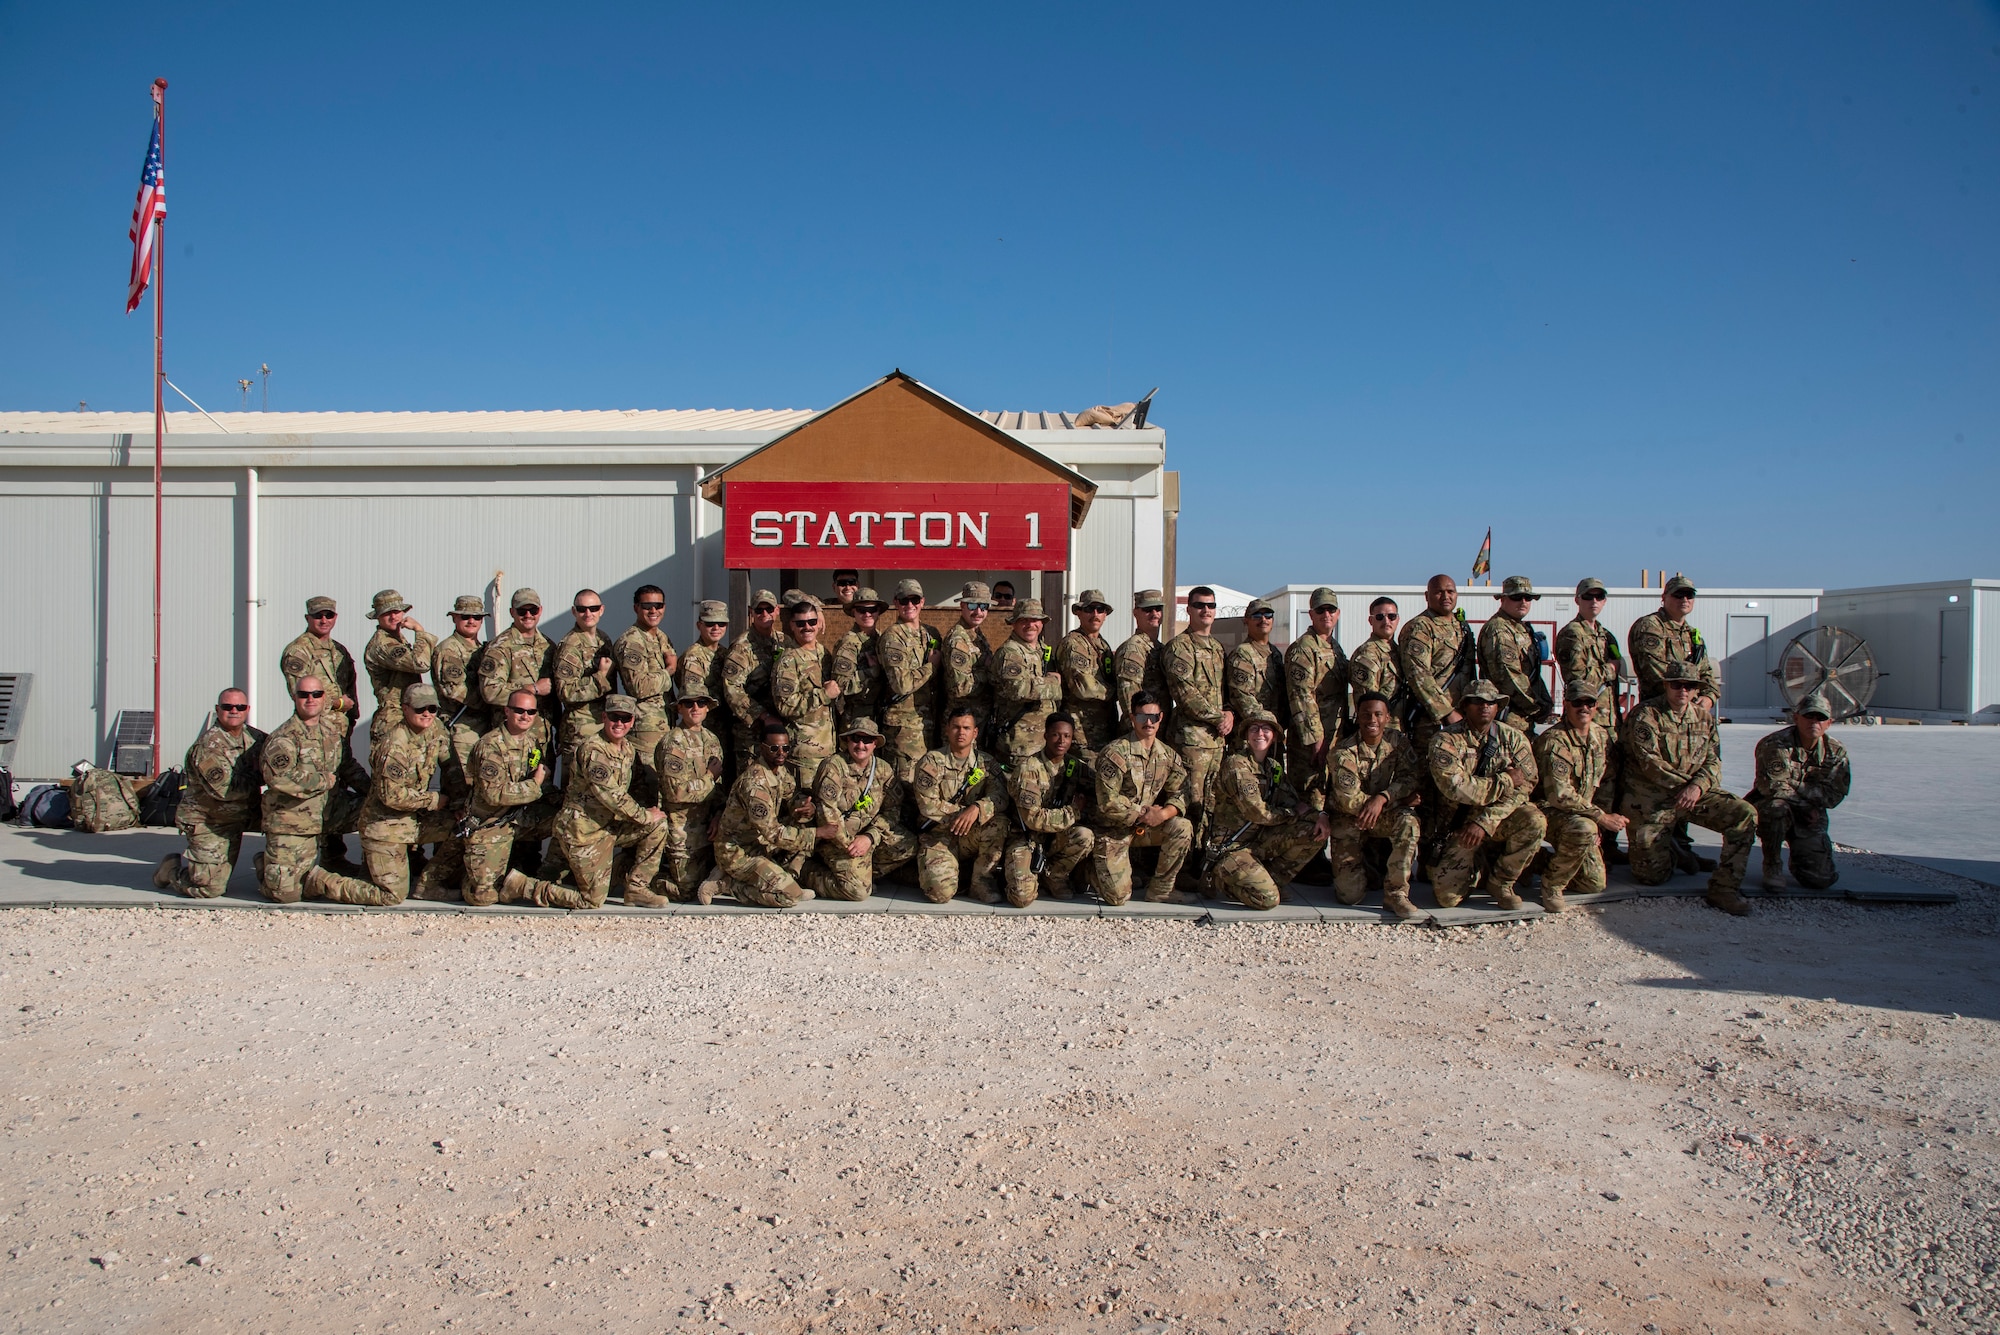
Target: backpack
x: 103, y: 800
x: 47, y: 806
x: 160, y: 800
x: 8, y: 808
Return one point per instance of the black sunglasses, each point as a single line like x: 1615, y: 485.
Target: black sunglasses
x: 1259, y: 616
x: 311, y: 695
x: 1383, y: 616
x: 594, y: 607
x: 1201, y: 607
x: 321, y: 616
x: 423, y: 709
x: 232, y: 709
x: 1590, y: 597
x: 617, y: 718
x: 650, y: 607
x: 1146, y: 718
x: 527, y: 610
x: 516, y: 709
x: 907, y: 601
x: 805, y: 621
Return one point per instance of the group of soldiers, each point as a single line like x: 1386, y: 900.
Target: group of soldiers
x: 775, y: 767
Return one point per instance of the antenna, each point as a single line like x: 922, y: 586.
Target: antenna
x: 265, y: 371
x: 244, y: 385
x: 82, y: 406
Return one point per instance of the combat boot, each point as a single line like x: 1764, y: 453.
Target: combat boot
x: 1398, y: 903
x: 1055, y: 887
x: 981, y: 889
x: 1505, y: 898
x: 1773, y: 876
x: 1729, y: 902
x: 1553, y: 901
x: 1163, y: 892
x: 333, y: 855
x: 516, y: 888
x: 641, y: 898
x: 167, y: 871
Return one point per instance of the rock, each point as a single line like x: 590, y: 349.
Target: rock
x: 106, y: 1261
x: 661, y: 1154
x: 204, y: 1260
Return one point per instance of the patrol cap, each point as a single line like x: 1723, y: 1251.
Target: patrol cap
x: 387, y: 601
x: 469, y: 605
x: 1324, y: 597
x: 320, y: 603
x: 908, y: 588
x: 1091, y: 598
x: 1591, y: 584
x: 866, y: 599
x: 621, y: 704
x: 1680, y: 584
x: 713, y: 612
x: 793, y: 596
x: 1518, y: 586
x: 1258, y: 606
x: 861, y: 727
x: 763, y: 598
x: 416, y: 695
x: 1680, y: 671
x: 1482, y: 690
x: 524, y: 598
x: 1147, y: 599
x: 1257, y: 715
x: 975, y: 592
x: 1028, y: 609
x: 1816, y: 704
x: 696, y: 697
x: 1579, y: 692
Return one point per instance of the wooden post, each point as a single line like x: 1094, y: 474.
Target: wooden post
x: 739, y: 602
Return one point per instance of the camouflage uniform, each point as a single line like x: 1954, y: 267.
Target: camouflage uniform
x: 1356, y: 773
x: 1475, y: 789
x: 1438, y: 661
x: 861, y: 799
x: 1254, y: 677
x: 455, y: 677
x: 1573, y: 766
x: 1139, y: 663
x: 507, y: 804
x: 1051, y: 802
x: 328, y: 659
x: 1796, y: 784
x: 1132, y: 776
x: 1089, y: 688
x: 798, y: 693
x: 1262, y: 832
x: 968, y: 672
x: 700, y: 673
x: 764, y: 839
x: 581, y: 690
x: 219, y: 803
x: 597, y: 821
x: 1023, y: 696
x: 1193, y: 666
x: 1664, y: 752
x: 908, y: 689
x: 1656, y: 643
x: 1316, y: 687
x: 857, y: 667
x: 687, y: 784
x: 392, y: 665
x: 515, y: 662
x: 944, y: 785
x: 401, y: 813
x: 642, y: 657
x: 1508, y: 658
x: 312, y: 789
x: 1587, y: 652
x: 1376, y: 666
x: 746, y: 689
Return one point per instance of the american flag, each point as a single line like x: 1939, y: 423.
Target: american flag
x: 151, y: 204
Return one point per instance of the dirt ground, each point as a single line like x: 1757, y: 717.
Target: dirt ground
x: 1645, y: 1118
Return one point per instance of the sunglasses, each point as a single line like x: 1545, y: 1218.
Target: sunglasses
x: 1146, y: 720
x: 516, y: 709
x: 423, y: 709
x: 618, y: 718
x: 805, y: 621
x: 778, y: 746
x: 527, y: 610
x: 1590, y: 597
x: 311, y: 695
x: 468, y: 616
x: 232, y: 709
x: 1383, y: 616
x: 651, y: 607
x: 847, y: 584
x: 321, y: 616
x: 1517, y: 597
x: 908, y: 602
x: 975, y: 607
x: 763, y: 609
x: 1680, y: 595
x: 1259, y: 616
x: 1201, y: 607
x: 595, y: 607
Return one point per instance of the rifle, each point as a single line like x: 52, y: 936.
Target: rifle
x: 971, y: 776
x: 1491, y: 764
x: 1057, y: 796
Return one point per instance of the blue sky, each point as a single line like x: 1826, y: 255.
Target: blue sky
x: 1708, y: 287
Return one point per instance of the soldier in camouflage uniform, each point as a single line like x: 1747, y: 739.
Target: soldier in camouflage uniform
x: 689, y: 763
x: 1137, y: 661
x: 219, y: 803
x: 455, y: 677
x: 1586, y: 650
x: 746, y: 677
x: 316, y: 653
x: 1661, y: 639
x: 401, y: 814
x: 1801, y: 773
x: 646, y: 663
x: 858, y: 795
x: 520, y: 658
x: 1439, y: 659
x: 968, y: 658
x: 1254, y: 671
x: 1484, y: 774
x: 767, y: 829
x: 510, y: 801
x: 961, y: 797
x: 700, y: 671
x: 1050, y: 794
x: 599, y: 821
x: 392, y: 663
x: 1192, y: 663
x: 857, y: 663
x: 1141, y: 792
x: 1026, y: 686
x: 1373, y: 787
x: 1572, y: 758
x: 1265, y: 828
x: 1377, y: 665
x: 910, y: 654
x: 1316, y: 685
x: 312, y: 791
x: 584, y: 664
x: 1673, y: 773
x: 1511, y: 659
x: 1089, y: 675
x: 805, y: 691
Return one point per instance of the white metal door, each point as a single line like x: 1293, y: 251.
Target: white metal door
x: 1955, y: 659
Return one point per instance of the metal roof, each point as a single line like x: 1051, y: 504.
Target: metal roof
x: 556, y: 420
x: 1047, y: 422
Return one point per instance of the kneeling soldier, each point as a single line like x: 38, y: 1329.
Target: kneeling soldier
x: 312, y: 791
x: 1673, y: 773
x: 1484, y: 772
x: 1573, y: 757
x: 1801, y: 772
x: 1265, y: 830
x: 1374, y: 785
x: 858, y: 794
x: 766, y: 830
x: 600, y: 819
x: 1050, y: 790
x: 219, y: 802
x: 688, y: 765
x: 963, y: 803
x: 510, y: 802
x: 402, y: 814
x: 1141, y: 792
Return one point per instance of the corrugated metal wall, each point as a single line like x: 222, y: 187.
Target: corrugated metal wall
x: 1986, y: 623
x: 1102, y: 559
x: 1903, y: 629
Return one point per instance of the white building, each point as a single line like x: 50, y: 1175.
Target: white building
x: 1938, y: 645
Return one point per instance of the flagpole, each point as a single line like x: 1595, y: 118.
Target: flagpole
x: 159, y: 406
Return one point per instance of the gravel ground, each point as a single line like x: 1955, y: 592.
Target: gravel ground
x: 1648, y: 1117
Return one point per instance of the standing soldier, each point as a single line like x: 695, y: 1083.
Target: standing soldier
x: 1673, y: 775
x: 1193, y: 668
x: 1573, y: 758
x: 392, y: 664
x: 219, y: 803
x: 701, y: 668
x: 520, y: 658
x: 689, y: 763
x: 1026, y: 686
x: 1265, y: 829
x: 455, y: 677
x: 1373, y: 788
x: 1660, y: 639
x: 1255, y: 670
x: 804, y: 691
x: 766, y: 830
x: 1377, y: 666
x: 584, y: 663
x: 316, y: 653
x: 1050, y: 794
x: 646, y: 662
x: 1485, y: 775
x: 1587, y: 651
x: 312, y: 791
x: 401, y: 815
x: 510, y: 802
x: 599, y: 819
x: 968, y: 658
x: 961, y: 797
x: 746, y: 676
x: 858, y: 794
x: 1137, y: 661
x: 1439, y: 659
x: 1141, y: 793
x: 857, y: 664
x: 1801, y: 772
x: 1316, y: 684
x: 1511, y: 654
x: 909, y: 652
x: 1089, y: 675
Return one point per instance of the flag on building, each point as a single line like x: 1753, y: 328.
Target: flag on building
x: 1482, y: 564
x: 151, y: 204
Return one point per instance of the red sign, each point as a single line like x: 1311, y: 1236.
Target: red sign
x: 896, y: 525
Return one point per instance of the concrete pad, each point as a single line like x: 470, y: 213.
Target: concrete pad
x: 1076, y: 906
x: 1228, y: 911
x: 1140, y: 908
x: 907, y: 899
x: 1972, y: 869
x: 873, y: 904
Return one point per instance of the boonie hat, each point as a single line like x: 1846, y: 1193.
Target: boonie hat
x: 1028, y: 609
x: 1680, y: 584
x: 1263, y: 716
x: 1090, y: 598
x: 713, y: 611
x: 1591, y: 584
x: 861, y: 727
x: 524, y: 598
x: 1147, y: 599
x: 621, y: 704
x: 416, y: 695
x: 469, y: 605
x: 1324, y: 597
x: 387, y: 601
x: 1482, y: 690
x: 1518, y: 586
x: 319, y: 603
x: 1816, y: 703
x: 909, y: 588
x: 866, y: 599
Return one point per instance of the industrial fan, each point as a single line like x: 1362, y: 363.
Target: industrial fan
x: 1832, y: 661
